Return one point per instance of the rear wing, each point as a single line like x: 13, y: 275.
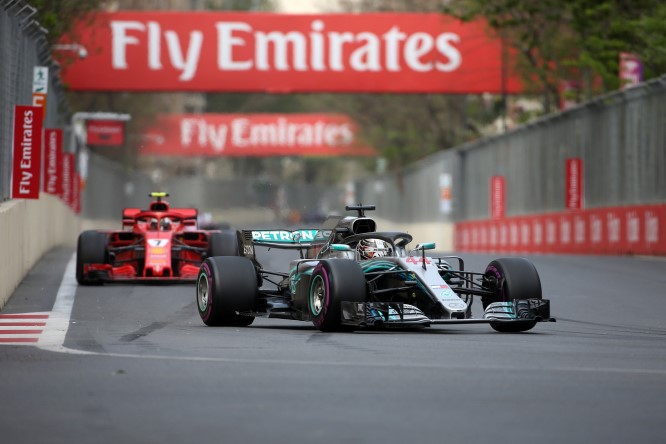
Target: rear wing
x: 302, y: 239
x: 283, y: 238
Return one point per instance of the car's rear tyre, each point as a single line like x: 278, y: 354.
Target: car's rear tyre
x: 332, y: 282
x: 226, y: 285
x: 91, y: 248
x: 223, y: 243
x: 518, y: 279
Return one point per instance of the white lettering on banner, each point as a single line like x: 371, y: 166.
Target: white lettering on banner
x: 513, y: 233
x: 525, y: 234
x: 651, y: 227
x: 241, y: 132
x: 120, y: 40
x: 284, y: 133
x: 537, y: 232
x: 579, y: 230
x: 225, y: 43
x: 493, y: 236
x: 66, y: 178
x: 551, y: 232
x: 280, y: 44
x: 215, y: 135
x: 26, y: 153
x: 596, y: 228
x: 52, y: 144
x: 317, y: 40
x: 318, y: 50
x: 103, y: 129
x: 633, y: 227
x: 187, y: 63
x: 565, y: 231
x: 504, y: 235
x: 418, y: 45
x: 154, y: 46
x: 24, y: 187
x: 613, y: 227
x: 366, y: 58
x: 445, y: 46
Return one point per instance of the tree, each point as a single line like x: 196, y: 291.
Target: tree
x: 58, y: 17
x: 573, y: 40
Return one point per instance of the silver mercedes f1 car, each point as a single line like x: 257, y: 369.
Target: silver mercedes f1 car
x: 351, y: 276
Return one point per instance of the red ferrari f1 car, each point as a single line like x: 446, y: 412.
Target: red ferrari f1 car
x: 160, y: 244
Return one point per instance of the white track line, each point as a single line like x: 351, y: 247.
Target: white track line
x: 53, y: 337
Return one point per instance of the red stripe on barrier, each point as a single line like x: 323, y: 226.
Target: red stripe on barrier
x: 24, y: 316
x: 616, y: 230
x: 5, y: 340
x: 20, y: 332
x: 22, y: 324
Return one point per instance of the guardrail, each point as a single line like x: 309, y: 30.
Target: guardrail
x: 620, y: 140
x: 29, y: 227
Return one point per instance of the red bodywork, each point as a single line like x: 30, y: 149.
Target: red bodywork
x: 158, y: 244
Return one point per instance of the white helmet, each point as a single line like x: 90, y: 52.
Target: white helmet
x: 371, y: 248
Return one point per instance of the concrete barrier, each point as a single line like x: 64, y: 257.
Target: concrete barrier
x: 28, y: 229
x: 439, y: 232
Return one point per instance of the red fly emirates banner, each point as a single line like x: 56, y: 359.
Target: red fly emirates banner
x: 68, y: 166
x: 27, y: 152
x: 254, y: 135
x: 53, y: 161
x: 105, y: 132
x: 278, y: 53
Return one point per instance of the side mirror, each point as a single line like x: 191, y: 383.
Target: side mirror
x: 426, y: 246
x: 340, y: 247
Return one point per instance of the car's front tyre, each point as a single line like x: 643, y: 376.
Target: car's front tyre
x: 515, y: 278
x: 91, y: 248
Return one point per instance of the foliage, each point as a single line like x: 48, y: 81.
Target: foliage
x: 574, y: 39
x: 58, y: 16
x: 652, y: 40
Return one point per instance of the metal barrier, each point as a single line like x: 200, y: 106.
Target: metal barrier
x: 110, y: 187
x: 620, y: 137
x: 23, y: 46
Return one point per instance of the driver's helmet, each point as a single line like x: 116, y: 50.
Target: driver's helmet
x: 371, y: 248
x: 166, y: 224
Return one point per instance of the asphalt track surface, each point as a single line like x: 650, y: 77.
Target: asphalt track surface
x: 153, y: 373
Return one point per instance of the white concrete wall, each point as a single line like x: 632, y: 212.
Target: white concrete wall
x: 28, y: 229
x: 438, y: 232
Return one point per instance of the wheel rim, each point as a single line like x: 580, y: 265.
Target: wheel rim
x: 202, y: 292
x: 501, y: 292
x: 317, y: 295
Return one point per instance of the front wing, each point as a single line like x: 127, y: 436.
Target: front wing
x: 400, y: 315
x: 128, y: 274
